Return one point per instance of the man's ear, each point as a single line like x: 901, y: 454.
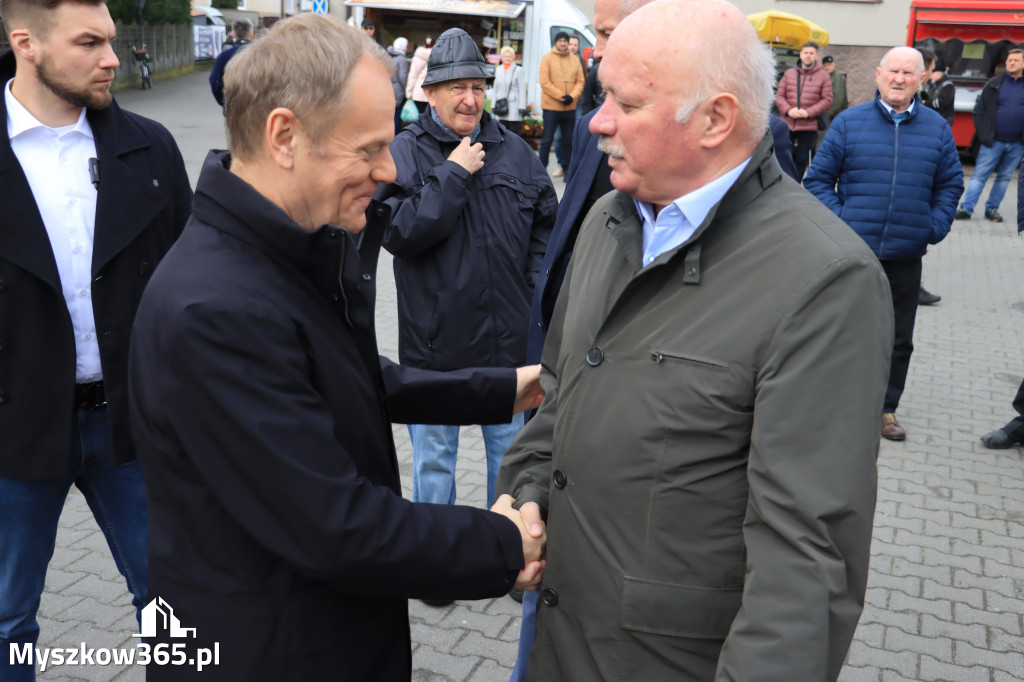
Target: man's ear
x: 284, y: 136
x: 721, y: 114
x: 23, y: 44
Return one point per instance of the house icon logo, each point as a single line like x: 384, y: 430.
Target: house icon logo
x: 159, y: 609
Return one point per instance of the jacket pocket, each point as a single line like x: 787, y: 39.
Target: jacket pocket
x: 662, y: 608
x: 672, y: 632
x: 660, y: 356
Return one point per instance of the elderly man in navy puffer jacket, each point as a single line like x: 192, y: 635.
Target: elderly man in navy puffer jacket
x: 889, y: 168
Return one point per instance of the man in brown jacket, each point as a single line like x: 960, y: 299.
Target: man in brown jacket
x: 705, y: 453
x: 561, y: 84
x: 803, y: 96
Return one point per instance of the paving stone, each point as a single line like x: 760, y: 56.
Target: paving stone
x: 976, y: 634
x: 1008, y: 622
x: 440, y: 639
x: 453, y: 667
x: 475, y: 644
x: 973, y: 596
x: 489, y: 671
x: 941, y: 671
x: 904, y: 662
x: 851, y: 673
x: 898, y: 640
x: 1009, y: 662
x: 488, y: 625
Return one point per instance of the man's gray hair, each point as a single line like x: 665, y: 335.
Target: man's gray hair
x: 242, y: 28
x: 747, y: 71
x: 302, y: 64
x: 902, y: 49
x: 627, y: 7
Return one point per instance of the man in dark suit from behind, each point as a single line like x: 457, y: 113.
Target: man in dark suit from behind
x: 93, y: 197
x: 242, y: 28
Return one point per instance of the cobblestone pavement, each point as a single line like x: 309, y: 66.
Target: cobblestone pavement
x: 946, y: 591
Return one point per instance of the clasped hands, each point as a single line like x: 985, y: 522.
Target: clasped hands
x: 534, y: 535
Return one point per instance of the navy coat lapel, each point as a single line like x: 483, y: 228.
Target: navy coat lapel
x: 128, y: 199
x: 23, y: 238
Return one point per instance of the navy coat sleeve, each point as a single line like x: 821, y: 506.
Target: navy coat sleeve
x: 783, y: 145
x: 823, y: 172
x: 478, y: 395
x: 251, y: 421
x: 1020, y: 198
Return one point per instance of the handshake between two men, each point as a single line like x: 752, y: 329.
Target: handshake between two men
x: 528, y: 396
x: 535, y: 538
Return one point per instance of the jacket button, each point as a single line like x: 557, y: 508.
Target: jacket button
x: 559, y: 478
x: 3, y: 398
x: 143, y: 268
x: 3, y: 345
x: 595, y: 356
x: 335, y: 298
x: 549, y: 597
x: 367, y: 277
x: 3, y: 286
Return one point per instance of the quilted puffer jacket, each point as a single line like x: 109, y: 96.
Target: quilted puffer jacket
x: 896, y: 186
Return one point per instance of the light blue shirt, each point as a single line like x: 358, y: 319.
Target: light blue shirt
x: 892, y: 111
x: 679, y: 220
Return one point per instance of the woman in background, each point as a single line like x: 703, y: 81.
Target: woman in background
x: 417, y: 72
x: 510, y: 84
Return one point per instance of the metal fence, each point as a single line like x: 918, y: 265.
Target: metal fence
x: 170, y: 51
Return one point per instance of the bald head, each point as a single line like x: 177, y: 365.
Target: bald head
x: 712, y: 115
x: 692, y: 30
x: 903, y: 53
x: 898, y: 77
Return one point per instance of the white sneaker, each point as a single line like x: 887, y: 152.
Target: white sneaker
x: 557, y: 173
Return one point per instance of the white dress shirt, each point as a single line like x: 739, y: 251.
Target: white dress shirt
x: 56, y: 163
x: 676, y: 222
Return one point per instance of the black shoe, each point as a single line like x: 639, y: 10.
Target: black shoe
x: 438, y: 602
x: 961, y: 214
x: 998, y: 440
x: 993, y: 215
x: 925, y: 297
x: 516, y: 594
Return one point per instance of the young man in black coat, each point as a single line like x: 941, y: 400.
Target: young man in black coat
x: 261, y: 407
x: 92, y: 197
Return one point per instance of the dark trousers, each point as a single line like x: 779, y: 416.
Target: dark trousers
x: 513, y: 126
x: 803, y: 141
x: 905, y: 285
x: 1015, y: 429
x: 557, y: 119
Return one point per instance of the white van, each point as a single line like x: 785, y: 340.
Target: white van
x: 529, y: 26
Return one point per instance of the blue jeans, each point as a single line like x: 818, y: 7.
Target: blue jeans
x: 564, y: 120
x: 1001, y: 157
x: 29, y: 511
x: 434, y: 450
x: 527, y: 632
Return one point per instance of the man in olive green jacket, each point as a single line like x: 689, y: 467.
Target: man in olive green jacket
x: 714, y: 375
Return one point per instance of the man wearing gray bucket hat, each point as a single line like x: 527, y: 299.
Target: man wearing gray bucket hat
x: 472, y: 209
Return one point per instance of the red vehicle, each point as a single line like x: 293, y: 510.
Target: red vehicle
x: 971, y: 37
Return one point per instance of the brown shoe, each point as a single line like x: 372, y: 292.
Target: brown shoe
x: 891, y: 429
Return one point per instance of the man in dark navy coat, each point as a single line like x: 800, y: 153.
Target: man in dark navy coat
x: 92, y: 198
x: 260, y: 408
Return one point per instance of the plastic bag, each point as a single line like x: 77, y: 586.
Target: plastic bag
x: 409, y: 112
